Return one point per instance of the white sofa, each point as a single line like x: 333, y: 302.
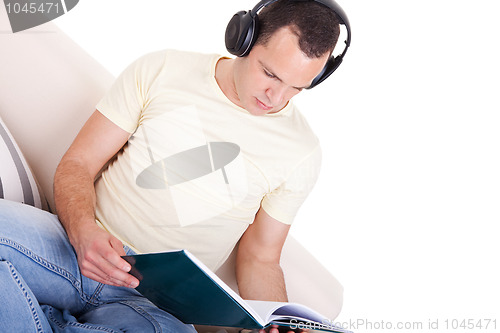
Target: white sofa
x: 48, y: 88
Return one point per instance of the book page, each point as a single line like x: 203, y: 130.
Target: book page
x: 293, y: 313
x: 272, y: 310
x: 265, y: 309
x: 300, y: 312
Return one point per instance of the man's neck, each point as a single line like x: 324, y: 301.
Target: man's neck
x: 224, y: 75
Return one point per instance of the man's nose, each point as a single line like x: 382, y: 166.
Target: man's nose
x: 276, y: 93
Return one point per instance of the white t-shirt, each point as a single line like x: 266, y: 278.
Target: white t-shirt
x: 197, y: 168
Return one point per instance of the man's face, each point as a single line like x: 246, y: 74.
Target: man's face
x: 272, y: 74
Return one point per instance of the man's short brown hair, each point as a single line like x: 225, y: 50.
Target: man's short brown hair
x: 316, y: 25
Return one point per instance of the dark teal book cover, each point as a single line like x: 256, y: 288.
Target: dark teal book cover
x: 177, y: 285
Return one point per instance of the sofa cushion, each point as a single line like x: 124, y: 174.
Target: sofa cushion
x: 17, y: 182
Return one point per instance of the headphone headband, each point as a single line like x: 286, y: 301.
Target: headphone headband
x: 243, y: 29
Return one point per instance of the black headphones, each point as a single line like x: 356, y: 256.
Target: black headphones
x: 242, y: 32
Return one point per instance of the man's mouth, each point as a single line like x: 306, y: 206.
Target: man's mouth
x: 263, y: 106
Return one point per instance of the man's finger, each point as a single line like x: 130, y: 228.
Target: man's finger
x: 101, y: 279
x: 114, y: 258
x: 107, y: 272
x: 90, y: 270
x: 117, y: 273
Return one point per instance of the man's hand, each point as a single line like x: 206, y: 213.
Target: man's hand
x: 99, y: 257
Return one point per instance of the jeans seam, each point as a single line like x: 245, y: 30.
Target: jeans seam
x: 96, y: 295
x: 34, y: 313
x: 94, y: 300
x: 49, y: 266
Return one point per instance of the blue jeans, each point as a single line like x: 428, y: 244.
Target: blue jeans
x: 42, y: 289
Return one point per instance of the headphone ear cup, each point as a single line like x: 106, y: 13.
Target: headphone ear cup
x: 241, y: 33
x: 331, y: 65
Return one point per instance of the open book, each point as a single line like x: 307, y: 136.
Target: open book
x: 182, y: 285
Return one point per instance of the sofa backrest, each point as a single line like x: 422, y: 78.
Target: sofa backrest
x: 49, y: 86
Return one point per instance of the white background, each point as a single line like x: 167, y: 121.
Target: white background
x: 406, y: 210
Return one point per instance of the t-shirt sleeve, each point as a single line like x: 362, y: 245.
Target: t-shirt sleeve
x: 125, y: 101
x: 283, y: 202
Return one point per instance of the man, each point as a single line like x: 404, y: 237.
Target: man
x: 262, y: 161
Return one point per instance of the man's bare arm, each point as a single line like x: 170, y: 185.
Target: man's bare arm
x: 98, y: 251
x: 258, y: 271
